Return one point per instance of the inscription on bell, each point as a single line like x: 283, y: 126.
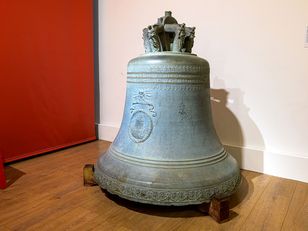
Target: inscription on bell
x: 140, y: 126
x: 141, y: 103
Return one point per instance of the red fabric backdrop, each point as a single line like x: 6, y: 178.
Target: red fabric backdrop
x: 46, y: 74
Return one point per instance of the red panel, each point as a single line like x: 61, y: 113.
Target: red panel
x: 47, y: 86
x: 2, y: 176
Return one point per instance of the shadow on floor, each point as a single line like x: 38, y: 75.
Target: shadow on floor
x: 12, y: 175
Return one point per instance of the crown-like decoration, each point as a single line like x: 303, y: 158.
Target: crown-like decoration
x: 168, y: 35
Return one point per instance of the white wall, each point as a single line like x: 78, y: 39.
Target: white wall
x: 259, y: 72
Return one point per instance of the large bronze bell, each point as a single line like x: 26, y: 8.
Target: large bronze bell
x: 167, y: 151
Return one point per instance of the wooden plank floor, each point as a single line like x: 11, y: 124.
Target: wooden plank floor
x: 48, y: 194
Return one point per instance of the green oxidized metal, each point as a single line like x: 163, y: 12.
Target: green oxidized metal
x: 167, y: 151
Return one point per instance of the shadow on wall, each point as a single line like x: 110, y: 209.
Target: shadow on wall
x: 231, y: 132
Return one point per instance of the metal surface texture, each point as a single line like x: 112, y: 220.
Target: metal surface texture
x: 167, y: 151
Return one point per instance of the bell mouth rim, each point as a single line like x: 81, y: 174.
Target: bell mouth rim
x: 163, y: 194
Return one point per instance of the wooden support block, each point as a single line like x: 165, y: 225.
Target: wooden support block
x: 88, y: 175
x: 219, y: 209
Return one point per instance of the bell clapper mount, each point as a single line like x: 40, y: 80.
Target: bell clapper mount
x: 168, y: 35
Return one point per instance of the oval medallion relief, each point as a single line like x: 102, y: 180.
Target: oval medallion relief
x: 140, y: 126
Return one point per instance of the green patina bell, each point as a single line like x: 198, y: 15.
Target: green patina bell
x: 167, y: 151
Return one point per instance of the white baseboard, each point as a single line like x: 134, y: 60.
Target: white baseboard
x: 281, y: 165
x: 276, y: 164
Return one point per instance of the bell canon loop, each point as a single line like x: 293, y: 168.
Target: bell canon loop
x: 167, y: 151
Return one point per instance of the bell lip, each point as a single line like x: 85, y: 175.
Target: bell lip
x: 167, y: 196
x: 132, y: 182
